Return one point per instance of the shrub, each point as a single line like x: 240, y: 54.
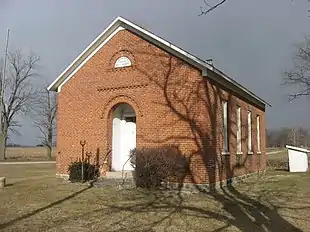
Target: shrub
x: 153, y: 166
x: 91, y: 171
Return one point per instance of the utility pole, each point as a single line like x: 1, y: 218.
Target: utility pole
x: 294, y: 136
x: 2, y: 142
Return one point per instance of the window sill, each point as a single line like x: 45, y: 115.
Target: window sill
x: 250, y: 152
x: 240, y: 153
x: 225, y: 153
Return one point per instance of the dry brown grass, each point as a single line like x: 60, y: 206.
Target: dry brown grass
x: 35, y: 201
x: 27, y: 154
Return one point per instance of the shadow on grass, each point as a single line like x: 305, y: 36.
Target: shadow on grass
x: 9, y: 185
x: 240, y: 211
x: 282, y: 169
x: 151, y: 210
x: 7, y: 224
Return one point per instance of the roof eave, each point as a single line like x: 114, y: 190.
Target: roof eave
x: 248, y: 94
x: 169, y: 47
x: 61, y: 77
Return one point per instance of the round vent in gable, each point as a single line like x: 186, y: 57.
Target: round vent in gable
x: 121, y: 62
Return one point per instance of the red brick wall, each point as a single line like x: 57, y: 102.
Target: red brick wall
x: 173, y: 104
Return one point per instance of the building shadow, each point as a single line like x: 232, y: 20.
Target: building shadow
x: 195, y: 103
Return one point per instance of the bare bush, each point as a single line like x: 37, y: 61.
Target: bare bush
x: 154, y: 166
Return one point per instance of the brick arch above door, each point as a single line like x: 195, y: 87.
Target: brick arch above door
x: 113, y: 101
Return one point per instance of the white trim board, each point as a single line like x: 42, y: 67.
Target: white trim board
x: 119, y: 24
x: 297, y: 148
x: 89, y: 56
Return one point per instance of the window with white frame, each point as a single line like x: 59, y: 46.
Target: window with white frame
x: 258, y: 133
x: 239, y: 141
x: 249, y: 132
x: 122, y: 62
x: 225, y: 127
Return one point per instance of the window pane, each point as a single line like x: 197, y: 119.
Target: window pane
x: 239, y: 143
x: 258, y: 132
x: 225, y: 127
x: 249, y: 131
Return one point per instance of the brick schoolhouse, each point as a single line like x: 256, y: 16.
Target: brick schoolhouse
x: 130, y: 88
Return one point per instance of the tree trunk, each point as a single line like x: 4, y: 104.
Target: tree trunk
x: 3, y: 138
x: 49, y: 143
x: 2, y: 149
x: 49, y: 152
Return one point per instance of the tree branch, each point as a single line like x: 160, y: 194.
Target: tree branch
x: 299, y: 74
x: 210, y: 7
x: 45, y: 109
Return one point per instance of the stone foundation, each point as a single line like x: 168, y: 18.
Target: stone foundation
x: 191, y: 187
x: 62, y: 176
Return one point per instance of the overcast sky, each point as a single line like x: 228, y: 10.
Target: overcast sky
x: 250, y: 40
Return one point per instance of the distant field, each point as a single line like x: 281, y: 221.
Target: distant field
x: 277, y: 156
x: 27, y: 153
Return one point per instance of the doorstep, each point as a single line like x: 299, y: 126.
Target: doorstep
x: 119, y: 175
x: 121, y: 180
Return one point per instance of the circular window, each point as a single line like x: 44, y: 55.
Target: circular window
x: 121, y: 62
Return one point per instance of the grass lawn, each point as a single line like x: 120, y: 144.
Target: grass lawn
x: 35, y: 201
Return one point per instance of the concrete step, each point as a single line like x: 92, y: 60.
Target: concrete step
x: 119, y: 175
x: 118, y: 183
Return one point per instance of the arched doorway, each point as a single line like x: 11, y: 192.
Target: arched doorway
x: 123, y: 136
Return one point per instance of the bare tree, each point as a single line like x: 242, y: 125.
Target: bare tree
x: 210, y: 7
x: 18, y: 93
x: 299, y: 75
x: 46, y: 112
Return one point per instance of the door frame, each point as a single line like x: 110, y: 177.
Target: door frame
x: 110, y: 134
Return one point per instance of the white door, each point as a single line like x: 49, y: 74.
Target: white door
x: 116, y: 144
x: 128, y: 142
x: 123, y: 137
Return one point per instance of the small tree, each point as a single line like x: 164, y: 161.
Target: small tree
x: 45, y: 113
x: 18, y: 93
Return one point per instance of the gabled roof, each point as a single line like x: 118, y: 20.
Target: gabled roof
x: 120, y: 24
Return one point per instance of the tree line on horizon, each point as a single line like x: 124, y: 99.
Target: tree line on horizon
x: 294, y: 136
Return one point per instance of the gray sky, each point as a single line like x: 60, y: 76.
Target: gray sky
x: 251, y: 40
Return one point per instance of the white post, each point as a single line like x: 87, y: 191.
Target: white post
x: 2, y: 182
x: 3, y: 86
